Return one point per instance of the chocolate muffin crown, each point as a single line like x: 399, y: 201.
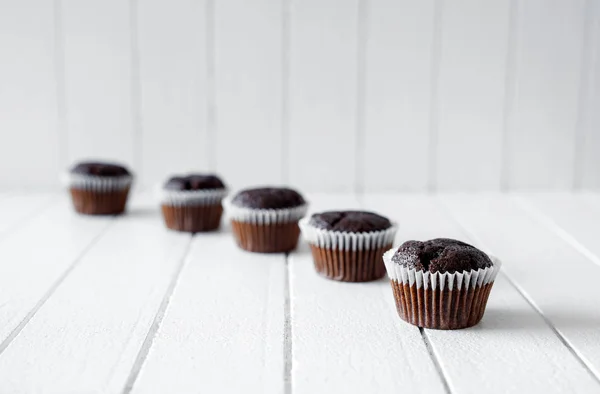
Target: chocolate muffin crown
x: 194, y: 182
x: 441, y: 255
x: 268, y: 198
x: 350, y: 221
x: 100, y: 169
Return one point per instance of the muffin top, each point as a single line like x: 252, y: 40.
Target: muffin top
x: 99, y: 169
x: 350, y: 221
x: 268, y: 198
x: 194, y: 182
x: 441, y: 255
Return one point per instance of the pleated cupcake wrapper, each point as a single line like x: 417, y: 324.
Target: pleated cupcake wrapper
x: 440, y: 300
x: 192, y: 218
x: 94, y: 202
x: 100, y: 184
x: 263, y: 216
x: 341, y: 240
x: 348, y: 257
x: 179, y: 198
x: 436, y: 280
x: 266, y: 238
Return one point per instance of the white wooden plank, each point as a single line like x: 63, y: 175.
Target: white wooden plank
x: 29, y: 140
x: 398, y: 90
x: 512, y: 333
x: 323, y: 94
x: 572, y: 217
x: 98, y: 79
x: 474, y: 47
x: 590, y: 116
x: 248, y: 72
x: 173, y: 76
x: 223, y: 329
x: 543, y: 116
x: 345, y: 336
x: 86, y: 337
x: 16, y: 209
x: 557, y: 279
x: 35, y: 255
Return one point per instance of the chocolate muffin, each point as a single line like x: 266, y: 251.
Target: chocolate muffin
x: 350, y: 221
x: 192, y: 203
x: 99, y: 188
x: 441, y: 255
x: 441, y: 283
x: 348, y: 245
x: 265, y: 220
x: 100, y: 169
x: 268, y: 198
x: 194, y: 182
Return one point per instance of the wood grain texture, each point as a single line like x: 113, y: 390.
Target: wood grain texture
x: 30, y: 271
x: 86, y: 337
x: 397, y: 93
x: 323, y: 94
x: 249, y: 97
x: 470, y: 108
x: 543, y: 114
x: 98, y: 79
x: 223, y: 329
x: 346, y: 336
x: 556, y: 278
x: 173, y: 60
x: 511, y: 333
x: 30, y: 136
x: 589, y: 121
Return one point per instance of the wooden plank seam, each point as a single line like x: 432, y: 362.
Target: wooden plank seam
x: 155, y: 326
x: 14, y: 333
x: 590, y: 369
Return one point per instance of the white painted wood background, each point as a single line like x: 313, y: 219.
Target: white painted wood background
x: 326, y: 95
x: 123, y: 305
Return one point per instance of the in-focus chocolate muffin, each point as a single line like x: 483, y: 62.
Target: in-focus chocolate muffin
x: 440, y: 283
x: 265, y: 220
x: 192, y: 203
x: 99, y: 188
x: 348, y: 245
x: 441, y: 255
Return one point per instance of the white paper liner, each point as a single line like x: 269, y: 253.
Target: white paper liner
x: 472, y: 278
x: 263, y: 216
x: 341, y: 240
x: 178, y: 198
x: 97, y: 183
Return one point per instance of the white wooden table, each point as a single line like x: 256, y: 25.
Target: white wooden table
x: 121, y: 305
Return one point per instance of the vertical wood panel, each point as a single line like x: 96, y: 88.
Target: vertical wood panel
x: 398, y: 90
x: 323, y: 94
x: 541, y: 133
x: 173, y: 75
x: 248, y: 73
x: 470, y: 106
x: 29, y: 135
x: 98, y: 79
x: 590, y: 115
